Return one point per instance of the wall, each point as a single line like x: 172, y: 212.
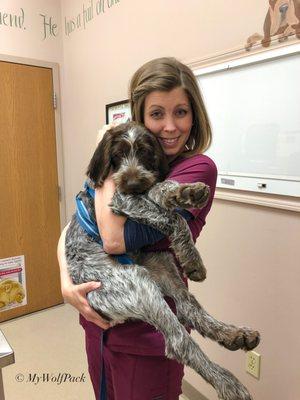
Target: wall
x: 251, y: 252
x: 101, y: 54
x: 25, y: 29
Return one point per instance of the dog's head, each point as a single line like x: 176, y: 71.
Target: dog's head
x: 281, y: 14
x: 133, y: 155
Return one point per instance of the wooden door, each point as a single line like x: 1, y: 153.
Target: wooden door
x: 29, y: 202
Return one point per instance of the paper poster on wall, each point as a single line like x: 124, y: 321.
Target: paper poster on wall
x: 12, y: 283
x: 118, y: 112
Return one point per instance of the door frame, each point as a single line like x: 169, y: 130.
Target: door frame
x: 58, y: 124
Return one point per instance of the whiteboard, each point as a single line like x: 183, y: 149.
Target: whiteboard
x: 254, y: 109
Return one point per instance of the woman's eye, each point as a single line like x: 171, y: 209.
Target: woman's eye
x: 156, y: 114
x: 181, y: 112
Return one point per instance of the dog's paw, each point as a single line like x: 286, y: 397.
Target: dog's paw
x: 282, y: 38
x: 241, y: 338
x: 190, y: 195
x: 195, y: 272
x: 197, y: 276
x: 266, y: 42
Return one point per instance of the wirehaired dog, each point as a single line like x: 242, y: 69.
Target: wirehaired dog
x: 137, y: 291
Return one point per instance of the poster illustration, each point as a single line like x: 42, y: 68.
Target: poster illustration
x: 12, y: 283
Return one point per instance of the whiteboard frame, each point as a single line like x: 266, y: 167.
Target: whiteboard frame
x: 289, y: 200
x: 249, y: 59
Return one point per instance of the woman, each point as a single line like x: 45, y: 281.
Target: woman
x: 165, y: 97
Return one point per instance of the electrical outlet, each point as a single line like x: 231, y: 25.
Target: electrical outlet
x: 253, y: 363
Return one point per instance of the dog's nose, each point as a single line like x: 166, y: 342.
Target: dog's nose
x: 283, y: 8
x: 133, y: 186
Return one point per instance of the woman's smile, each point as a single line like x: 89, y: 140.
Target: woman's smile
x: 168, y: 142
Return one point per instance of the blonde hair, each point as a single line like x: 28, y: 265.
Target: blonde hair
x: 165, y: 74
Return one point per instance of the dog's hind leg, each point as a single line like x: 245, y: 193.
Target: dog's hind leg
x: 130, y: 293
x: 190, y: 312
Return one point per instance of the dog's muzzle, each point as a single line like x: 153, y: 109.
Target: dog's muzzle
x: 134, y: 180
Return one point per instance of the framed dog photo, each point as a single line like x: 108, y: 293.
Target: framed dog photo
x: 118, y: 112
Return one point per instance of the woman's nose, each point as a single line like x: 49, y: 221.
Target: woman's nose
x: 170, y: 125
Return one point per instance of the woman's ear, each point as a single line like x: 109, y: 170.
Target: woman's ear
x: 100, y: 163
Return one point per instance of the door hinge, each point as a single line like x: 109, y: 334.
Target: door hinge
x: 54, y: 101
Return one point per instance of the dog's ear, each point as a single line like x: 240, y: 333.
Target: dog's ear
x: 100, y: 163
x: 161, y: 162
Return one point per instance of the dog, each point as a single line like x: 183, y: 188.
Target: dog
x: 282, y: 20
x: 136, y: 291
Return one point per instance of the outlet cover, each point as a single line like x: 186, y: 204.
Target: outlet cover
x: 253, y: 360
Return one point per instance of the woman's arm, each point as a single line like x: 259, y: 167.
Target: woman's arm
x: 111, y: 226
x: 76, y: 294
x: 120, y: 235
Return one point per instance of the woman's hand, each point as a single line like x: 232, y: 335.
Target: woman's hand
x: 76, y: 296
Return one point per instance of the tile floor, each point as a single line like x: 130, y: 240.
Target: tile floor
x: 48, y: 342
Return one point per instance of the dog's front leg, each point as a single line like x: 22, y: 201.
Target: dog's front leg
x: 141, y: 209
x: 171, y: 195
x: 289, y: 31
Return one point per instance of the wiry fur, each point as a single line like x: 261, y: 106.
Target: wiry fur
x: 137, y: 291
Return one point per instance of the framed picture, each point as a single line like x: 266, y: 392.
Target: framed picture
x: 118, y: 112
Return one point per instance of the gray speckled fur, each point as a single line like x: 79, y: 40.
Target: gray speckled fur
x: 137, y: 291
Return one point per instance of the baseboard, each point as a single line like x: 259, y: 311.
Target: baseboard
x: 191, y: 393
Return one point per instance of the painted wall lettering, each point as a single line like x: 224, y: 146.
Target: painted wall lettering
x: 12, y: 20
x: 90, y: 9
x: 17, y: 20
x: 49, y: 28
x: 111, y: 3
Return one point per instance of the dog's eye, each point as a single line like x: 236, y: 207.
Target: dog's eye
x: 145, y: 155
x: 147, y: 158
x: 118, y: 155
x: 116, y: 158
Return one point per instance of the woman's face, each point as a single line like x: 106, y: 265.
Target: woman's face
x: 169, y: 116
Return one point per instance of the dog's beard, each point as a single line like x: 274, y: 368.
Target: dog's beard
x: 134, y: 180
